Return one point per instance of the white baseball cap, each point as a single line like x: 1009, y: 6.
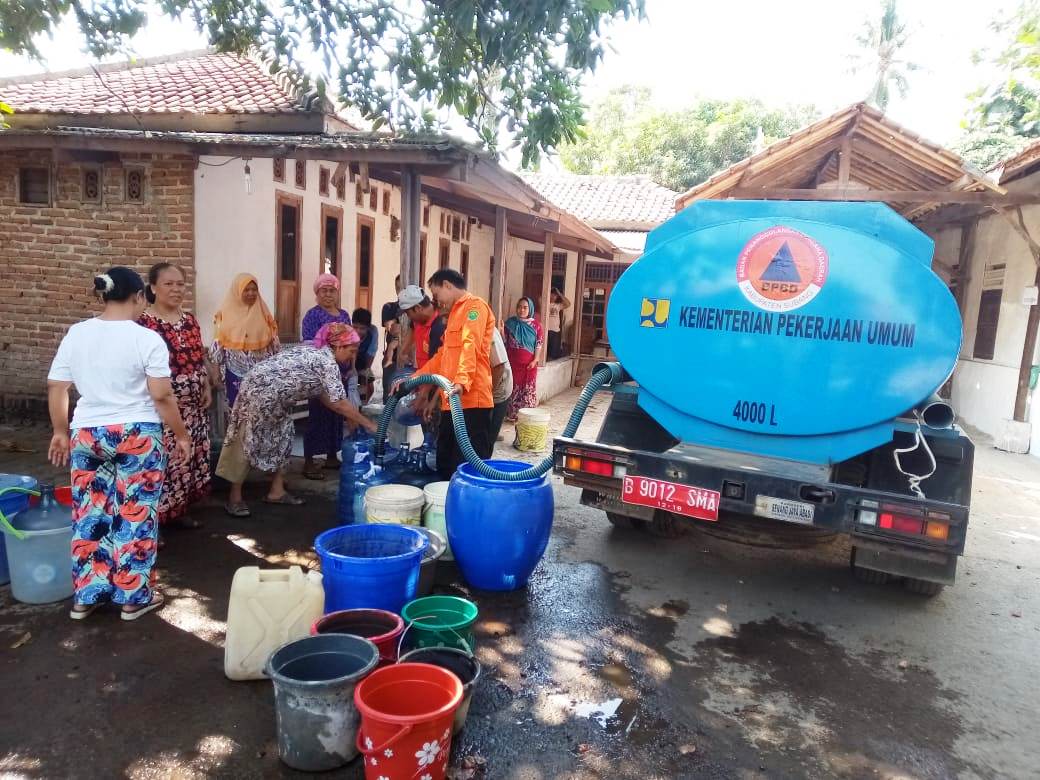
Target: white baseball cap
x: 410, y: 296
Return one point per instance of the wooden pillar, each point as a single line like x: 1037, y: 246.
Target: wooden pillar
x: 1026, y: 366
x: 845, y: 162
x: 576, y: 307
x: 543, y: 313
x: 411, y: 224
x: 498, y: 266
x: 964, y: 258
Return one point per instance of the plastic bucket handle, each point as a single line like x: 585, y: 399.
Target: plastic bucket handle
x: 5, y: 524
x: 380, y: 748
x: 413, y: 621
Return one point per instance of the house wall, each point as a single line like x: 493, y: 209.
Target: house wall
x: 984, y: 390
x: 236, y: 233
x: 50, y: 254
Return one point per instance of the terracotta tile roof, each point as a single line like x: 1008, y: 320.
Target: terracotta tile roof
x: 194, y: 83
x: 608, y: 202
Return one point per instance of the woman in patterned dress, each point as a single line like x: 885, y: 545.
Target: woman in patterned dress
x: 246, y: 333
x: 523, y: 340
x: 189, y: 481
x: 260, y: 433
x: 324, y: 433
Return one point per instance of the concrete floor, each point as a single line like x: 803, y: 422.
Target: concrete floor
x: 709, y: 659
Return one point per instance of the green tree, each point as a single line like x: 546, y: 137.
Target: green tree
x: 1005, y: 115
x: 678, y: 149
x: 882, y: 41
x: 506, y: 67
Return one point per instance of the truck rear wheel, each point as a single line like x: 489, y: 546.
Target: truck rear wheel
x: 664, y: 525
x: 623, y: 521
x: 923, y: 587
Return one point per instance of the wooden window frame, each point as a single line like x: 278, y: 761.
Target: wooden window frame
x: 22, y: 169
x: 444, y: 254
x: 386, y: 202
x: 359, y: 195
x: 464, y: 261
x: 364, y: 220
x: 373, y: 199
x: 422, y: 260
x: 426, y: 216
x: 985, y: 346
x: 300, y: 174
x: 285, y: 198
x: 278, y: 169
x: 456, y: 228
x: 331, y: 211
x: 340, y: 183
x: 323, y: 180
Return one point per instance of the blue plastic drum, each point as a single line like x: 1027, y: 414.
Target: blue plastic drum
x: 374, y: 566
x: 501, y: 529
x: 13, y: 499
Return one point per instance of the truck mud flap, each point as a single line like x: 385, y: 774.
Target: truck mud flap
x: 904, y: 561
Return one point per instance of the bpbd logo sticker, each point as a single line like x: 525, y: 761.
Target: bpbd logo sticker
x: 781, y: 269
x: 654, y: 312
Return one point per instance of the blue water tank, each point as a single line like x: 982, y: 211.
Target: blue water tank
x: 791, y: 329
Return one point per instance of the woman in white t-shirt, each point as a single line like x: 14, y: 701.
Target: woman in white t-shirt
x: 121, y: 371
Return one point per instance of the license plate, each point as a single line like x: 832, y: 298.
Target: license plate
x: 695, y: 502
x: 785, y: 509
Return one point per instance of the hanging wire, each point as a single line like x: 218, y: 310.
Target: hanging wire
x: 920, y: 441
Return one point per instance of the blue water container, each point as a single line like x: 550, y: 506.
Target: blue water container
x: 372, y: 566
x: 498, y: 530
x: 13, y: 499
x: 365, y: 473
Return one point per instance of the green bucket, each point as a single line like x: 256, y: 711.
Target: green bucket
x: 439, y: 621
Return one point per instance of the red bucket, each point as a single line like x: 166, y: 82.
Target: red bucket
x: 380, y: 627
x: 407, y: 712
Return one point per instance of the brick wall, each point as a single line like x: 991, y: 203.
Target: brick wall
x: 50, y: 254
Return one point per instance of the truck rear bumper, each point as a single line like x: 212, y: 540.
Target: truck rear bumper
x: 749, y: 486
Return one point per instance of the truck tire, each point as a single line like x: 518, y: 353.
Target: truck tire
x: 923, y: 587
x: 869, y: 576
x: 624, y: 521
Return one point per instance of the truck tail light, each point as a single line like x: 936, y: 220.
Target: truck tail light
x: 599, y: 465
x: 931, y: 525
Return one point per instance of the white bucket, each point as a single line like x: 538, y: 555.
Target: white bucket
x: 401, y: 504
x: 433, y: 517
x: 532, y: 430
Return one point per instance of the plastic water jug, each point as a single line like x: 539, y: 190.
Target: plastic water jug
x: 39, y: 550
x: 364, y: 473
x: 268, y: 608
x: 15, y: 490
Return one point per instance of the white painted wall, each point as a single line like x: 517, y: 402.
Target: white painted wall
x: 984, y: 390
x: 235, y: 232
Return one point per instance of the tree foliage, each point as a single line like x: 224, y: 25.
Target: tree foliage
x: 1005, y: 115
x: 881, y: 43
x: 627, y: 134
x: 509, y: 68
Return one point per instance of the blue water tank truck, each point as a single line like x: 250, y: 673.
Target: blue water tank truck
x: 780, y: 363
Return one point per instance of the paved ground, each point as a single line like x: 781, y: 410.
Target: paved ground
x: 716, y: 660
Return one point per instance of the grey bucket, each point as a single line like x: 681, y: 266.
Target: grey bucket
x: 314, y: 680
x: 458, y: 662
x: 428, y: 569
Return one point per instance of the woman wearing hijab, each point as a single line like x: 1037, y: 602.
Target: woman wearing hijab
x: 260, y: 432
x: 324, y: 433
x: 246, y: 333
x: 122, y: 374
x: 523, y: 340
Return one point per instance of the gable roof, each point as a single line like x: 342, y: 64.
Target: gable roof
x: 202, y: 82
x: 608, y: 202
x: 883, y: 156
x: 1018, y: 165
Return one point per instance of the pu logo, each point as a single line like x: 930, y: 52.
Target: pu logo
x: 654, y: 312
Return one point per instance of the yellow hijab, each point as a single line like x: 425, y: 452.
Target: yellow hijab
x: 242, y: 327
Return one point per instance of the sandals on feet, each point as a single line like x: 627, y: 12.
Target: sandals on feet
x: 314, y: 471
x: 83, y: 611
x: 238, y: 509
x: 136, y: 611
x: 286, y: 499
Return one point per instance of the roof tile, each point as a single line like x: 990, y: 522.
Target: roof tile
x: 203, y: 83
x: 607, y: 201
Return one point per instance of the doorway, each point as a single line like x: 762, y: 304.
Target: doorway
x: 287, y: 274
x: 331, y: 240
x: 533, y: 267
x: 365, y: 250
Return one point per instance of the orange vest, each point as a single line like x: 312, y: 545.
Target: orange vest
x: 465, y: 354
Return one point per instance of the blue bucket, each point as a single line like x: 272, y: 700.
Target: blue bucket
x: 373, y: 566
x: 11, y: 503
